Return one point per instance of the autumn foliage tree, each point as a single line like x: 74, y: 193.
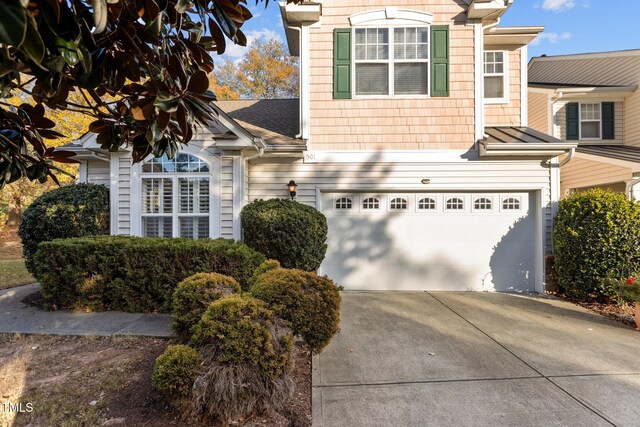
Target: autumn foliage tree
x: 139, y: 66
x: 267, y: 71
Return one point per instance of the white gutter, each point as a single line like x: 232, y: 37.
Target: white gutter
x: 567, y: 159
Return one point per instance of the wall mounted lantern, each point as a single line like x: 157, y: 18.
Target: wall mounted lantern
x: 292, y: 189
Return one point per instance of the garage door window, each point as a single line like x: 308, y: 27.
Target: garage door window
x: 427, y: 204
x: 455, y: 204
x: 344, y: 204
x: 371, y: 204
x: 398, y: 204
x: 511, y: 204
x: 482, y: 204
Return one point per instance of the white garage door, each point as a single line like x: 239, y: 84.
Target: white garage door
x: 431, y: 241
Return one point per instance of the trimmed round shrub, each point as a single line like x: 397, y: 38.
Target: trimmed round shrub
x: 240, y: 329
x: 268, y: 265
x: 70, y: 211
x: 176, y: 370
x: 596, y: 236
x: 194, y: 294
x: 293, y: 233
x: 310, y: 303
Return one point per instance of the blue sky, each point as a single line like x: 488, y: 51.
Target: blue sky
x: 571, y: 26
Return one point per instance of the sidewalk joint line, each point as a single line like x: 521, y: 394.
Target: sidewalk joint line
x: 580, y: 402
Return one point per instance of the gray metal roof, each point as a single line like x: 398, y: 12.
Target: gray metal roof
x: 517, y: 135
x: 619, y: 68
x: 617, y: 152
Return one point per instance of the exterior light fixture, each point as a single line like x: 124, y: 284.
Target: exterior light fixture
x: 292, y: 189
x: 426, y: 181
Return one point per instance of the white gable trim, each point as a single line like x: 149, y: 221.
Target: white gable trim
x: 391, y: 15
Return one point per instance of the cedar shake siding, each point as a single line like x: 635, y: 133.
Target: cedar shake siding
x: 395, y: 123
x: 507, y: 114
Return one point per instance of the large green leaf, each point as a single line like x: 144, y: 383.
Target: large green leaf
x: 167, y: 102
x: 13, y: 23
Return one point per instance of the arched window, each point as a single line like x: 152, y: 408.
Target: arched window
x: 482, y: 204
x: 176, y: 197
x: 398, y: 204
x: 371, y: 203
x: 426, y: 204
x: 344, y: 203
x: 511, y: 204
x: 454, y: 204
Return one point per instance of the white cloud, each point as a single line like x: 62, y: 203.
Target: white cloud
x: 235, y: 51
x: 552, y: 38
x: 558, y: 5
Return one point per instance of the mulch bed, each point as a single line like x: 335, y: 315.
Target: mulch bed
x: 610, y: 309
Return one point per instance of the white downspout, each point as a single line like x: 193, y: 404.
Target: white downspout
x: 300, y: 74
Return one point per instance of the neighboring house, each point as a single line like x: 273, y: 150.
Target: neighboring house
x: 410, y: 136
x: 591, y: 99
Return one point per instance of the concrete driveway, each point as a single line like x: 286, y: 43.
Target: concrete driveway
x: 475, y: 359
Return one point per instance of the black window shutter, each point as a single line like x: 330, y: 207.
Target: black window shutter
x: 608, y: 120
x: 573, y: 121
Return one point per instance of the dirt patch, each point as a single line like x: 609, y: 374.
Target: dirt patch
x: 106, y: 381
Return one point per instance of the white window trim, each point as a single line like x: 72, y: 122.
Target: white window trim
x: 381, y: 205
x: 214, y: 196
x: 428, y: 196
x: 504, y: 74
x: 391, y: 25
x: 407, y: 199
x: 475, y: 197
x: 354, y: 203
x: 580, y: 138
x: 465, y: 203
x: 506, y: 197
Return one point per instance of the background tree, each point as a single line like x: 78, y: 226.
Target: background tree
x: 150, y: 57
x: 267, y: 71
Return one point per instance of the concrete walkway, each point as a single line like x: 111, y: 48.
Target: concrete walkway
x: 15, y: 316
x: 475, y: 359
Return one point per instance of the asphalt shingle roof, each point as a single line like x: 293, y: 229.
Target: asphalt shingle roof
x: 277, y: 121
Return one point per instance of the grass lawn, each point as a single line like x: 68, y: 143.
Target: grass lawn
x: 13, y: 273
x: 12, y: 270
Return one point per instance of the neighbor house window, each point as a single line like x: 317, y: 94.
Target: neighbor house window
x: 495, y: 76
x: 590, y: 121
x: 176, y: 200
x: 392, y: 61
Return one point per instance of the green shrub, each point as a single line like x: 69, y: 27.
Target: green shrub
x: 311, y: 303
x: 268, y: 265
x: 70, y: 211
x: 293, y: 233
x: 133, y: 274
x: 176, y: 370
x: 596, y: 235
x: 194, y: 294
x: 238, y: 329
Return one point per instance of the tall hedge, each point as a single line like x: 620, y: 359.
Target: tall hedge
x: 70, y: 211
x: 596, y: 235
x: 134, y: 274
x: 287, y: 231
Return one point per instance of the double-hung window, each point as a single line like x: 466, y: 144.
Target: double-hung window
x: 590, y: 121
x: 391, y: 61
x: 495, y: 76
x: 176, y: 199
